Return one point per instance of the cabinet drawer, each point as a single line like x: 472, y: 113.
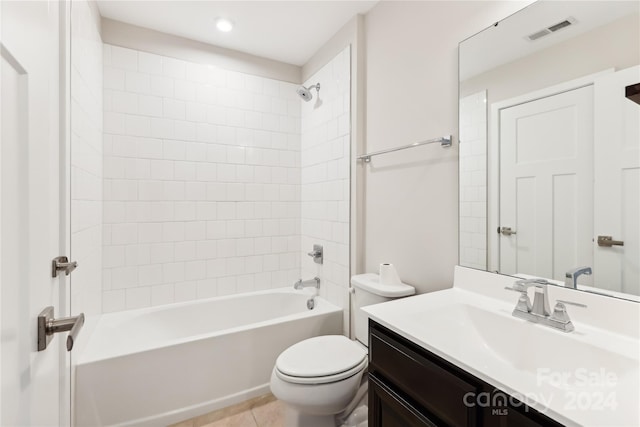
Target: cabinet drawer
x: 426, y: 382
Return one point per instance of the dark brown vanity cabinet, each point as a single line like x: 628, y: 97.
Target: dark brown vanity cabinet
x: 410, y: 386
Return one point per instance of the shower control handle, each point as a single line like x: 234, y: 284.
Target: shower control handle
x: 317, y: 254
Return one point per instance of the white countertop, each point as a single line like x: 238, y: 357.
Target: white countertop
x: 599, y: 363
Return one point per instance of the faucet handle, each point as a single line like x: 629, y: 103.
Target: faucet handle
x: 524, y: 284
x: 524, y: 303
x: 576, y: 304
x: 540, y: 301
x: 518, y: 289
x: 560, y: 311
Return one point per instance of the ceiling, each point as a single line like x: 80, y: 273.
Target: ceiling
x: 286, y: 31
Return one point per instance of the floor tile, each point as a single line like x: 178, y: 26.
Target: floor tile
x: 270, y: 415
x: 243, y: 419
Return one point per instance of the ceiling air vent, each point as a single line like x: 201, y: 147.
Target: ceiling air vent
x: 551, y: 29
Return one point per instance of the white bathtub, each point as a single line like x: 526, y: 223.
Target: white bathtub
x: 157, y: 366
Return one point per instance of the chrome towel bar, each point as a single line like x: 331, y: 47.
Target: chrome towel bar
x: 445, y: 141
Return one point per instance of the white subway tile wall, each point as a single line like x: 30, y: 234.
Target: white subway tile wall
x: 325, y: 163
x: 86, y: 157
x: 201, y: 181
x: 473, y: 181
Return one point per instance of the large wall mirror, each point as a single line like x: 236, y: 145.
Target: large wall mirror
x: 550, y: 146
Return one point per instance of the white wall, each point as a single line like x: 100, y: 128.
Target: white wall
x: 614, y: 45
x: 202, y: 181
x: 411, y: 201
x: 86, y: 157
x: 325, y: 169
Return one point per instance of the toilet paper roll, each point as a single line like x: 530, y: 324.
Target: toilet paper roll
x: 389, y: 275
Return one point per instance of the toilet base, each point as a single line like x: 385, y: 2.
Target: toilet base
x: 358, y: 417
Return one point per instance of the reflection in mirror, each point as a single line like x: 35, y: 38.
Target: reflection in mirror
x: 550, y: 146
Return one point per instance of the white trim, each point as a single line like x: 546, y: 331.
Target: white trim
x: 64, y: 102
x: 1, y: 207
x: 493, y: 154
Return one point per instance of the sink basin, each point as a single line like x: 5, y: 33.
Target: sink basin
x: 530, y: 348
x: 590, y: 376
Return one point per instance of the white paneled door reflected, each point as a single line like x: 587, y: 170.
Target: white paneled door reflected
x: 30, y: 214
x: 546, y: 194
x: 617, y: 183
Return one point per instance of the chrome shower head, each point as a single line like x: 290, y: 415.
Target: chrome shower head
x: 305, y: 92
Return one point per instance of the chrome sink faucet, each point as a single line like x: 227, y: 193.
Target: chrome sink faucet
x: 539, y: 311
x: 571, y: 276
x: 540, y: 305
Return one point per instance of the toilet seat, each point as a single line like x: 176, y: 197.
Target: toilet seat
x: 324, y: 379
x: 321, y: 360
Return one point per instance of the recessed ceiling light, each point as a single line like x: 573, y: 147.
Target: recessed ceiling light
x: 224, y: 25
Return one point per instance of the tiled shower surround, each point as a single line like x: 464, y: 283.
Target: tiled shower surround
x: 473, y: 181
x: 86, y: 157
x: 325, y: 171
x: 202, y: 181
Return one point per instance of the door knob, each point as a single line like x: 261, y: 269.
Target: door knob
x: 47, y: 326
x: 607, y: 241
x: 506, y: 231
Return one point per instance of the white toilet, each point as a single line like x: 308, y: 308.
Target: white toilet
x: 321, y: 379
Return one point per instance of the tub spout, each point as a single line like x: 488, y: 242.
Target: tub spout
x: 300, y: 284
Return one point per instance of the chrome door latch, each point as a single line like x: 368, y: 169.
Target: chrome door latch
x: 47, y: 326
x: 607, y: 241
x: 62, y: 263
x: 506, y: 231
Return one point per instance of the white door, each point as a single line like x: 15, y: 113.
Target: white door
x: 30, y: 215
x: 546, y: 174
x: 617, y: 183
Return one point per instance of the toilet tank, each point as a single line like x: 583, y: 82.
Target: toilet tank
x: 367, y: 290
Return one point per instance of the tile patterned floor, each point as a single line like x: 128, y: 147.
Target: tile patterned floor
x: 261, y: 412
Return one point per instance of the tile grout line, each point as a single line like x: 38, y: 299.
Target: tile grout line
x: 253, y: 415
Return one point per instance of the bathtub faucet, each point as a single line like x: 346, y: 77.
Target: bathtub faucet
x: 315, y: 282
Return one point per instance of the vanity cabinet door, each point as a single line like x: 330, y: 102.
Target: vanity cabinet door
x: 413, y: 373
x: 510, y: 416
x: 514, y: 419
x: 389, y: 409
x: 410, y: 386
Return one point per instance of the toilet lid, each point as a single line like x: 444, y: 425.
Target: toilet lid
x: 320, y: 357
